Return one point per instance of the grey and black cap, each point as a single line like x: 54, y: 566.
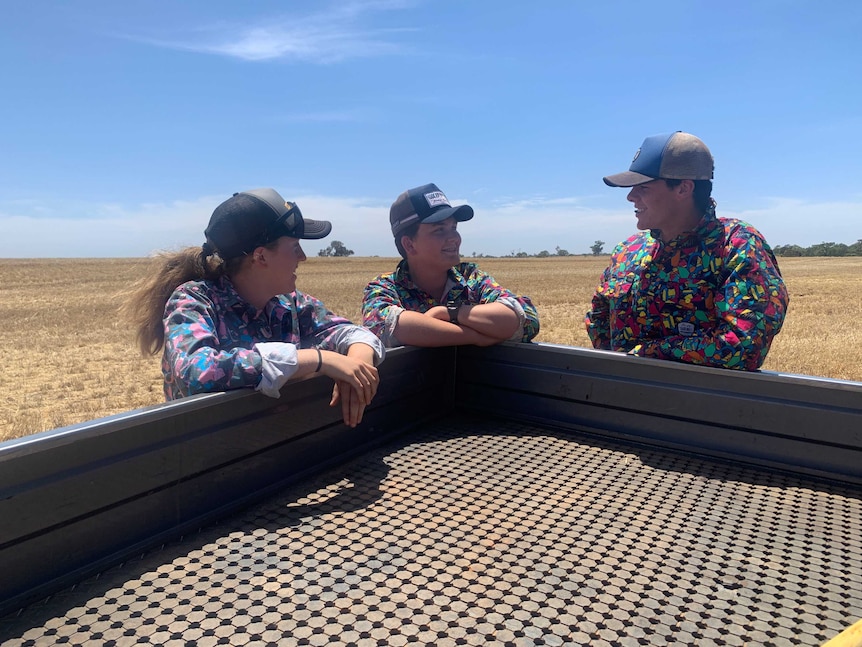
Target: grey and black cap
x: 253, y: 218
x: 424, y: 204
x: 673, y: 156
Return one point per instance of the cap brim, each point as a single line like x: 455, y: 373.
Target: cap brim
x: 314, y: 229
x: 627, y: 178
x: 460, y: 213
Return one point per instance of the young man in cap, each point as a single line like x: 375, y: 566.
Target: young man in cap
x: 432, y: 298
x: 690, y: 287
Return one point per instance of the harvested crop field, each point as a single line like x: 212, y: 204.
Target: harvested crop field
x: 70, y: 357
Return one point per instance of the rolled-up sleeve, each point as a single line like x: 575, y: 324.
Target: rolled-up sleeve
x: 348, y: 334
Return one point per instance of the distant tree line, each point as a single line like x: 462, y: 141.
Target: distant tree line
x: 596, y: 249
x: 821, y: 249
x: 337, y: 248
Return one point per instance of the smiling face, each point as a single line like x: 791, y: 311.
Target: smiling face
x: 283, y: 261
x: 436, y: 245
x: 654, y: 204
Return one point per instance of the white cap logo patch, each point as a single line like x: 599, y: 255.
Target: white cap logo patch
x: 437, y: 199
x: 685, y: 329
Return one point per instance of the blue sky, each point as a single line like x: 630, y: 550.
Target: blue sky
x: 123, y: 124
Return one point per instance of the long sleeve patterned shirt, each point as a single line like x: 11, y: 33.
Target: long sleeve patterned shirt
x: 713, y: 296
x: 387, y: 296
x: 210, y: 332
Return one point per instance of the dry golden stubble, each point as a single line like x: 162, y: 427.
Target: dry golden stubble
x: 71, y: 357
x: 60, y: 318
x: 821, y: 335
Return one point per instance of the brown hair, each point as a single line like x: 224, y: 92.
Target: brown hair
x: 702, y: 193
x: 146, y: 299
x: 410, y: 232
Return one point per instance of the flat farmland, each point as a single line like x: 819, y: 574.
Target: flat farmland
x: 68, y: 355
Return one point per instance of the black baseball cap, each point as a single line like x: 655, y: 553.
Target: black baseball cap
x: 426, y: 204
x: 253, y: 218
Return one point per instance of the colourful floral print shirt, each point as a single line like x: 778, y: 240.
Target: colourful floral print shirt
x: 387, y: 296
x: 713, y: 296
x: 210, y: 331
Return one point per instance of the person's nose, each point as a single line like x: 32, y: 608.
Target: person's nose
x: 631, y: 196
x: 302, y: 256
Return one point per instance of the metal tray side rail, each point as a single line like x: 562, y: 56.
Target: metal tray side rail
x: 790, y: 422
x: 76, y: 500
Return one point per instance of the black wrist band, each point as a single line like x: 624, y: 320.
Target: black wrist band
x: 319, y: 360
x: 452, y: 307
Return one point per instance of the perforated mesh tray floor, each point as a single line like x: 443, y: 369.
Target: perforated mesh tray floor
x: 483, y: 532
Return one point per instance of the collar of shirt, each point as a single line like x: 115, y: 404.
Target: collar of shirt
x: 233, y: 301
x: 403, y: 278
x: 708, y: 228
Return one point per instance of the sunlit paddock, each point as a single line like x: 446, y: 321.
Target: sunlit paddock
x: 69, y: 357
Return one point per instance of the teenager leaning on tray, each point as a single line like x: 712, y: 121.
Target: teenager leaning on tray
x: 432, y: 298
x: 227, y: 314
x: 691, y: 286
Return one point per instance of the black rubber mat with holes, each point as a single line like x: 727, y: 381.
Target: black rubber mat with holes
x: 481, y: 532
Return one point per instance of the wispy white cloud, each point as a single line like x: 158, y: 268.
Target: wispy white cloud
x: 42, y: 230
x: 330, y: 36
x: 791, y: 221
x: 511, y: 203
x: 46, y: 230
x: 534, y: 224
x: 30, y: 229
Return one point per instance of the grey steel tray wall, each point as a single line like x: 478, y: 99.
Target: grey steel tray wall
x: 803, y: 424
x: 75, y: 500
x: 78, y: 499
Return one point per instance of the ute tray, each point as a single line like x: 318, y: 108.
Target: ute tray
x: 474, y: 530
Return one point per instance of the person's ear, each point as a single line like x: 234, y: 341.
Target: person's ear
x: 259, y: 255
x: 407, y: 244
x: 685, y: 188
